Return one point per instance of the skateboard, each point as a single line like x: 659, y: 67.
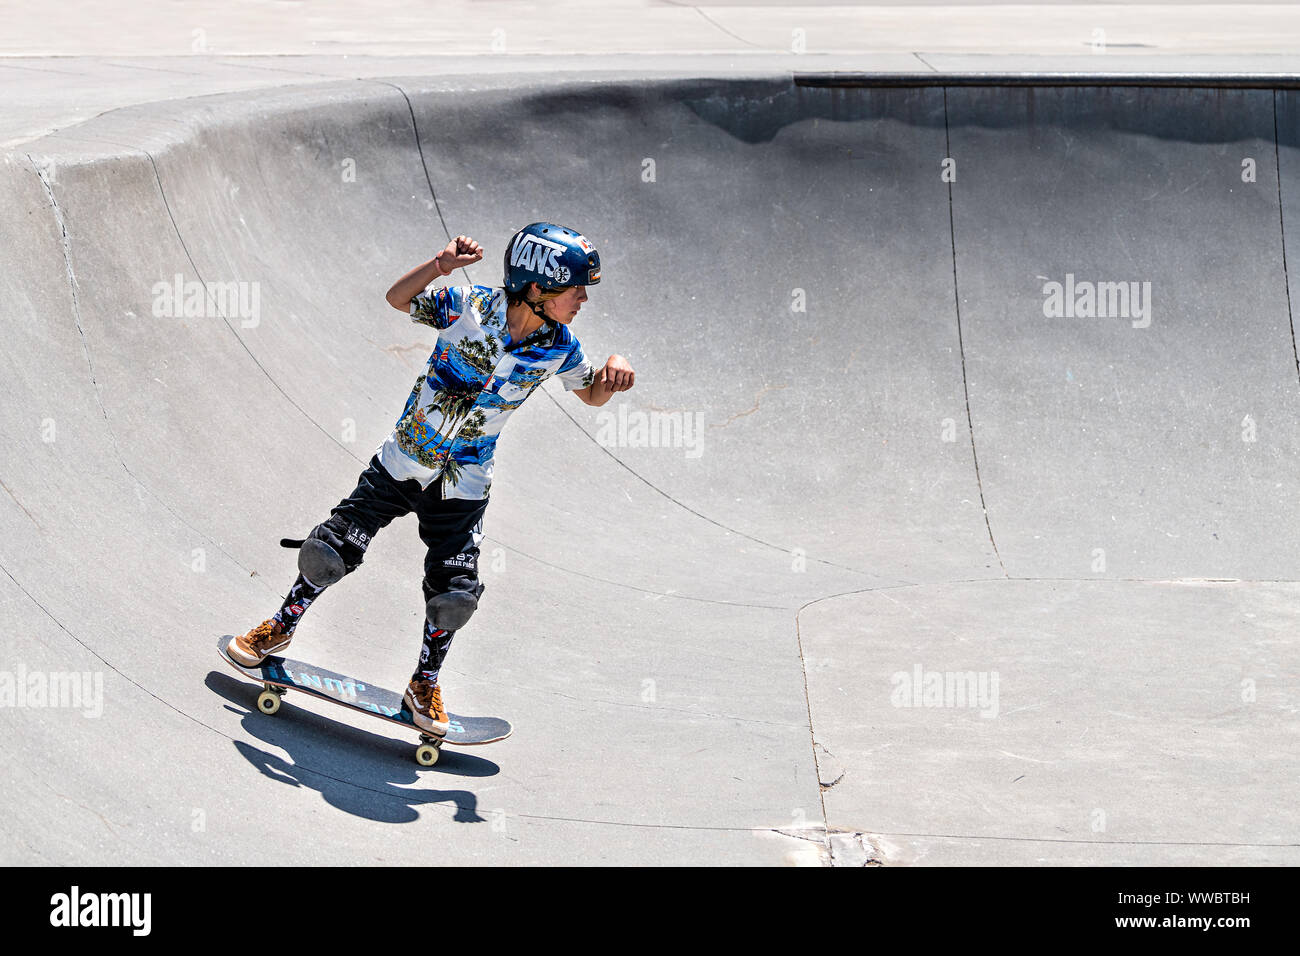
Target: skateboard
x: 280, y: 674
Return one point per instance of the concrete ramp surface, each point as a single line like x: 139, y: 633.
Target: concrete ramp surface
x: 951, y: 520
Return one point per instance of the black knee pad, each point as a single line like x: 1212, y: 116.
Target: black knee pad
x: 451, y: 610
x: 333, y: 549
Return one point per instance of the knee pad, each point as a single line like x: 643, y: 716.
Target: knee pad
x: 451, y: 610
x: 320, y: 563
x: 333, y: 549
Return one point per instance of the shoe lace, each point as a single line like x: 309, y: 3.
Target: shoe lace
x: 424, y: 692
x: 265, y: 632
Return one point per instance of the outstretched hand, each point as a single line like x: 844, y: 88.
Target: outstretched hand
x: 460, y: 252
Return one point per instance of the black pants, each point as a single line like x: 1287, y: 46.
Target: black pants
x: 448, y: 526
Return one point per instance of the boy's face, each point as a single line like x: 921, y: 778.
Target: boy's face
x: 566, y: 305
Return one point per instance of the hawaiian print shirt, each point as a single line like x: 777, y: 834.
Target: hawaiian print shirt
x: 474, y: 379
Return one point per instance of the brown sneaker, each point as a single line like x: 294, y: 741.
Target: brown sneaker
x: 258, y: 644
x: 423, y: 699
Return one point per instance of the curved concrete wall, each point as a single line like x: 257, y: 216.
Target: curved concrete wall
x: 896, y: 463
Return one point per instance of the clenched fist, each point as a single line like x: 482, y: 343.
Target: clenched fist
x: 617, y: 375
x: 460, y: 252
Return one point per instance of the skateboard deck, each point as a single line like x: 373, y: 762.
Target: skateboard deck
x: 280, y: 674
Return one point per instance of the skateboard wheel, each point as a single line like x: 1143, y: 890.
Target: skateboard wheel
x: 268, y: 702
x: 426, y: 755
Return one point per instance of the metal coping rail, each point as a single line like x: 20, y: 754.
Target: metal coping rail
x: 1231, y: 81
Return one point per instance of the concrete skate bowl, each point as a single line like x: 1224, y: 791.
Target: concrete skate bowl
x: 882, y: 559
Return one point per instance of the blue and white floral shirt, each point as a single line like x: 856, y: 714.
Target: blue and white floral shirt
x: 474, y: 379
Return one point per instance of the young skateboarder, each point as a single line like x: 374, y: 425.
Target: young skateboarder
x: 494, y: 347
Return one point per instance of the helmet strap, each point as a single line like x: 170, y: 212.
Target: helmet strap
x: 544, y: 295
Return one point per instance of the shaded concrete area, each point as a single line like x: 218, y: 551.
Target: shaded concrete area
x: 879, y: 560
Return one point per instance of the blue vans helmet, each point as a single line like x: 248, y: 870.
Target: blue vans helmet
x: 552, y: 256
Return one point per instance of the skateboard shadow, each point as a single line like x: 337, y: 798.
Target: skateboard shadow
x: 354, y: 770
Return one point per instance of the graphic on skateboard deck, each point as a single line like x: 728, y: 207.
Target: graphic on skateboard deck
x: 280, y: 674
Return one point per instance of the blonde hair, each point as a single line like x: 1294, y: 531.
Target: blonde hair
x: 520, y: 297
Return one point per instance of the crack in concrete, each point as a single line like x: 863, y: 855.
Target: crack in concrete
x: 66, y: 239
x: 802, y: 834
x: 633, y: 587
x: 812, y: 736
x: 839, y: 847
x: 827, y: 765
x: 854, y: 848
x: 718, y: 26
x: 398, y: 352
x: 961, y: 345
x: 758, y: 400
x: 32, y: 517
x: 1281, y: 227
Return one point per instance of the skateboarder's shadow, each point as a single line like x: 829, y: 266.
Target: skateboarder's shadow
x: 354, y: 770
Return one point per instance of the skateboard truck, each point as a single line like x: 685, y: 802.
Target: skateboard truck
x: 426, y: 755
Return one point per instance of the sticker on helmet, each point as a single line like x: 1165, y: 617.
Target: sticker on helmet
x: 586, y: 246
x: 593, y: 276
x: 536, y: 254
x: 562, y: 274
